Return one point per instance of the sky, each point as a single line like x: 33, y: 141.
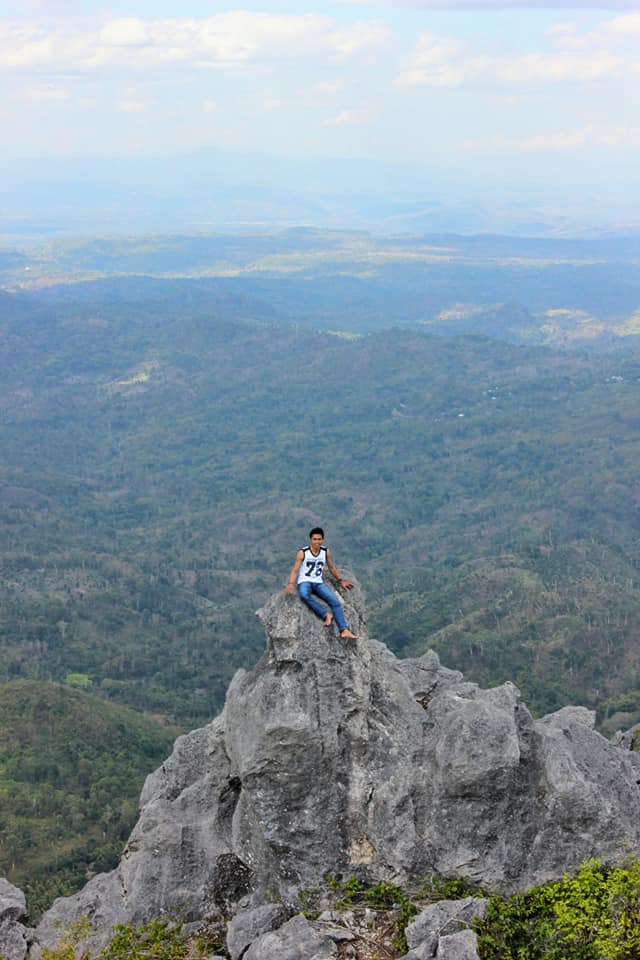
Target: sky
x: 524, y: 94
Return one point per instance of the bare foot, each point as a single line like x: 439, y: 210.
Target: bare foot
x: 328, y: 620
x: 347, y: 635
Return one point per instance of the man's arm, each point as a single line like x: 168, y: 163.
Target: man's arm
x: 345, y: 584
x: 293, y: 576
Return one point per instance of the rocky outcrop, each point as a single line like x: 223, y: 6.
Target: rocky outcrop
x: 14, y: 935
x: 335, y: 756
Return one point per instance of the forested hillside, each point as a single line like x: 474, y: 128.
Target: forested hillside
x: 72, y: 768
x: 560, y: 292
x: 163, y: 461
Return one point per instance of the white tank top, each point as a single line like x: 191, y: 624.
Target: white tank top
x: 311, y: 567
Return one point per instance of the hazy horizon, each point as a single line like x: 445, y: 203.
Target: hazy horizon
x: 498, y: 114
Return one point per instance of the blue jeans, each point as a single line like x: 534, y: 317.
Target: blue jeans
x: 306, y: 589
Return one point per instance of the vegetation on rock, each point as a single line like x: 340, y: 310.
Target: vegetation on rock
x: 593, y: 915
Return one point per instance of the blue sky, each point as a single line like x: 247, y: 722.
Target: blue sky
x: 522, y: 96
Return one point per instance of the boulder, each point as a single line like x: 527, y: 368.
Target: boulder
x: 248, y: 925
x: 444, y: 928
x: 298, y: 939
x: 14, y: 935
x: 458, y: 946
x: 334, y: 756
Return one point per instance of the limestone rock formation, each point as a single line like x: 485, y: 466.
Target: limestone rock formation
x: 335, y: 756
x: 14, y: 939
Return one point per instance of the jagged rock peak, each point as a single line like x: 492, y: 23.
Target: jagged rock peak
x: 335, y: 756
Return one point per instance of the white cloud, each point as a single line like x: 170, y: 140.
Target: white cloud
x: 23, y: 46
x: 31, y: 46
x: 480, y: 5
x: 348, y: 118
x: 540, y: 67
x: 125, y: 32
x: 620, y: 33
x: 357, y: 37
x: 627, y: 25
x: 591, y: 135
x: 47, y: 94
x: 436, y: 61
x: 442, y: 61
x: 131, y: 104
x: 227, y: 39
x: 563, y: 29
x: 329, y: 87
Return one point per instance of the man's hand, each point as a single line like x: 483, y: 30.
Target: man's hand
x: 288, y: 588
x: 346, y: 584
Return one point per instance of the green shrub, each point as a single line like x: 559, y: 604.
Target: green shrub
x: 66, y: 948
x: 349, y: 891
x: 161, y: 938
x: 157, y: 939
x: 594, y: 915
x: 451, y: 888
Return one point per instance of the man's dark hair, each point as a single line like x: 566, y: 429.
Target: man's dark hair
x: 316, y: 530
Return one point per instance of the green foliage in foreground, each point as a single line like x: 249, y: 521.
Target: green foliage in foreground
x: 71, y: 770
x: 158, y: 939
x: 594, y: 915
x: 591, y: 915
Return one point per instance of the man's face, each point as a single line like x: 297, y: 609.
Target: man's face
x: 315, y: 542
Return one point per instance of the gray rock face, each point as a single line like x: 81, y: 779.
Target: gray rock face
x: 295, y: 940
x: 248, y: 925
x: 458, y: 946
x: 443, y: 930
x: 334, y: 756
x: 13, y: 933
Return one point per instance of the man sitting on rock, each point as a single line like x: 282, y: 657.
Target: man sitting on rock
x: 307, y: 573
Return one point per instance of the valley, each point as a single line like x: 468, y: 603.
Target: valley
x: 465, y: 429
